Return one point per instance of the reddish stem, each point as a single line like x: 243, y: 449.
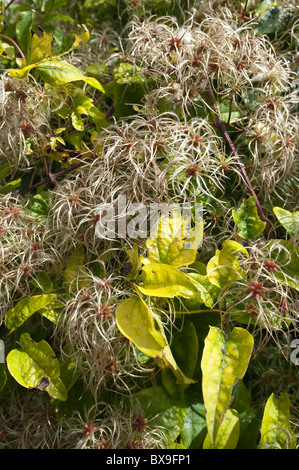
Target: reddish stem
x: 220, y: 124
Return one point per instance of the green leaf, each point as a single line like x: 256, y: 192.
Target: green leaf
x: 224, y: 267
x: 43, y: 282
x: 128, y: 89
x: 4, y: 170
x: 11, y: 186
x: 276, y: 430
x: 228, y: 435
x: 204, y: 296
x: 184, y: 348
x: 173, y: 242
x: 16, y: 316
x: 225, y: 113
x: 250, y: 425
x: 163, y: 410
x: 84, y: 105
x: 135, y: 321
x: 224, y: 362
x: 194, y: 429
x: 38, y: 205
x: 23, y: 30
x: 35, y: 363
x: 169, y: 361
x: 74, y: 275
x: 286, y: 255
x: 162, y: 280
x: 271, y: 17
x: 289, y: 220
x: 247, y: 219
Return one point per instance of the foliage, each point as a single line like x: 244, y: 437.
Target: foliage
x: 180, y: 339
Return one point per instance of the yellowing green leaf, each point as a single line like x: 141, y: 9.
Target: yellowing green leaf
x: 17, y: 315
x: 228, y: 434
x: 162, y: 280
x: 173, y: 243
x: 135, y: 321
x: 247, y: 219
x: 224, y: 267
x: 34, y: 363
x: 224, y: 362
x: 81, y: 39
x: 56, y: 72
x: 60, y: 72
x: 276, y: 430
x: 39, y: 48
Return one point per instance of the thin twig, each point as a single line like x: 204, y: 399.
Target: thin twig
x: 222, y: 126
x: 15, y: 44
x: 53, y: 176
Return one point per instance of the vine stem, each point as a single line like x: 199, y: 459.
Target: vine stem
x: 53, y: 176
x: 15, y: 44
x: 220, y: 124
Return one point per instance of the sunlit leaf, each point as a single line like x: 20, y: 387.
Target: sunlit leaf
x: 39, y: 48
x: 35, y: 362
x: 224, y: 362
x: 228, y: 434
x: 23, y: 310
x: 289, y: 220
x: 173, y: 242
x: 162, y: 280
x: 135, y: 321
x: 224, y: 267
x: 276, y: 430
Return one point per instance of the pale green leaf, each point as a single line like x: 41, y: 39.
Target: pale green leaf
x: 289, y: 220
x: 135, y: 321
x: 34, y: 363
x: 75, y: 275
x: 224, y: 362
x: 228, y: 435
x: 276, y: 430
